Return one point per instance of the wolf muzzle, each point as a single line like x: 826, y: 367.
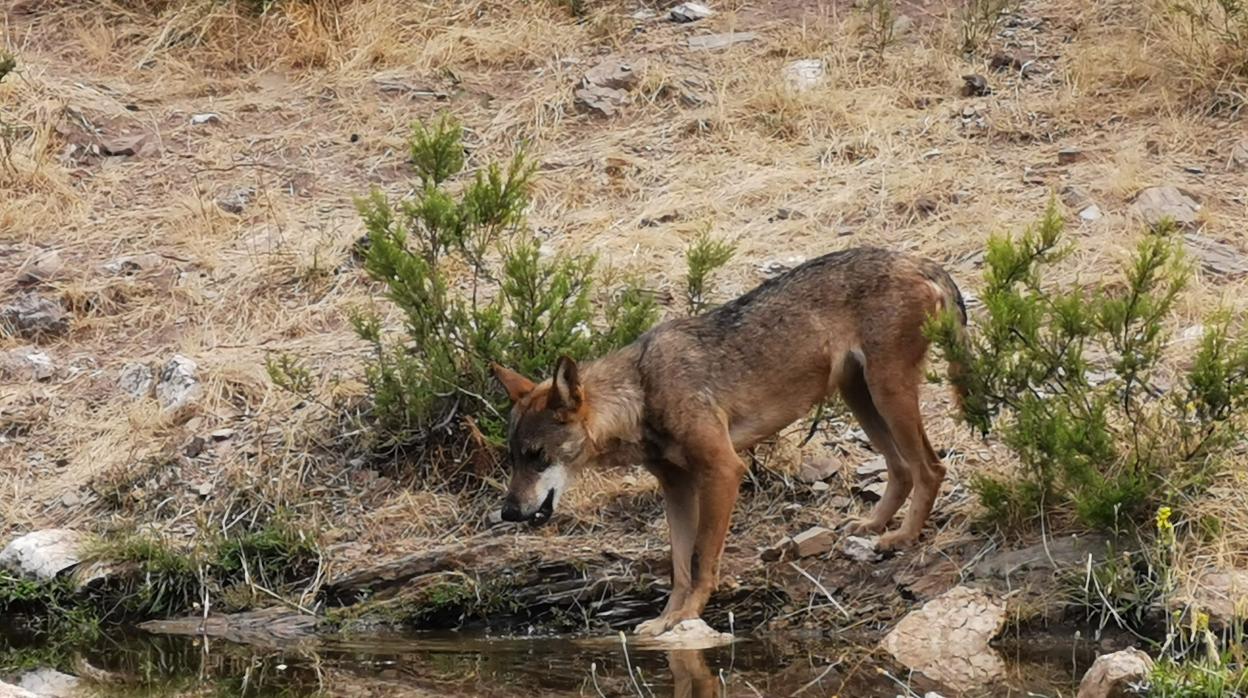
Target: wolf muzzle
x: 513, y: 512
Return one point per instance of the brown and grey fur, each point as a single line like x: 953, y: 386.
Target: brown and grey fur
x: 691, y: 393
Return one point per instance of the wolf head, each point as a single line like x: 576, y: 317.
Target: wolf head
x: 547, y: 439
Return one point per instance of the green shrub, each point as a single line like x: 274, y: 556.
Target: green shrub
x: 703, y: 258
x: 1071, y: 381
x: 880, y: 24
x: 473, y: 286
x: 1219, y: 677
x: 277, y: 554
x: 978, y: 21
x: 1208, y: 40
x: 8, y: 63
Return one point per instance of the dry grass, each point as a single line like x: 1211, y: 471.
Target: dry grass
x: 314, y: 101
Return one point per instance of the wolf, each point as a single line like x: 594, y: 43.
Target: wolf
x: 691, y: 393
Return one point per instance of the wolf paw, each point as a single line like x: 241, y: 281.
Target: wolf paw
x: 896, y: 540
x: 654, y: 627
x: 860, y: 527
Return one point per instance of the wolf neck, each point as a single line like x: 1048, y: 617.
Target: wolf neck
x: 613, y: 392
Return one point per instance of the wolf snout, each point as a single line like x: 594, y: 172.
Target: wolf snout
x: 515, y: 512
x: 511, y: 511
x: 547, y: 509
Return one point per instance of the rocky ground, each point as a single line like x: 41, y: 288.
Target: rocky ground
x: 176, y: 205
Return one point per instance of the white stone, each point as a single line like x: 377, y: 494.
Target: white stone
x: 136, y: 379
x: 804, y: 74
x: 692, y: 634
x: 705, y: 42
x: 690, y: 12
x: 11, y: 691
x: 42, y: 554
x: 1091, y: 213
x: 178, y: 385
x: 947, y: 640
x: 49, y: 683
x: 1112, y: 674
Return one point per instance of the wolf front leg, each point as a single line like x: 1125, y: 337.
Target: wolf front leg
x: 680, y: 502
x: 719, y: 482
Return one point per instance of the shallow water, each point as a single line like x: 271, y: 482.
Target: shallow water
x: 454, y: 664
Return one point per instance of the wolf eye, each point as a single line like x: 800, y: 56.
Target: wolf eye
x: 532, y: 453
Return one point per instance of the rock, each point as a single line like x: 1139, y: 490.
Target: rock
x: 816, y: 469
x: 874, y: 468
x: 178, y: 385
x: 1239, y: 155
x: 1221, y: 593
x: 1091, y: 213
x: 947, y: 639
x: 1215, y: 257
x: 1017, y: 60
x: 615, y: 72
x: 1064, y: 553
x: 872, y: 492
x: 784, y: 213
x: 132, y: 264
x: 136, y: 379
x: 692, y: 634
x: 236, y: 201
x: 924, y: 206
x: 708, y: 42
x: 643, y: 15
x: 1076, y: 197
x: 1191, y: 334
x: 204, y: 489
x: 820, y: 486
x: 42, y: 554
x: 928, y: 583
x: 604, y: 88
x: 861, y: 549
x: 840, y: 502
x: 603, y: 100
x: 27, y: 364
x: 975, y: 86
x: 71, y: 500
x: 139, y: 144
x: 265, y: 627
x: 815, y: 540
x: 206, y: 118
x: 690, y: 12
x: 776, y: 552
x: 1156, y: 204
x: 11, y: 691
x: 1115, y: 675
x: 776, y: 267
x: 222, y: 434
x: 194, y: 447
x: 33, y: 317
x: 1067, y: 156
x: 42, y: 267
x: 804, y: 74
x: 49, y: 683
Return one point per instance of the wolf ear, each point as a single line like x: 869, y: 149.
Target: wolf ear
x: 516, y: 385
x: 567, y: 394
